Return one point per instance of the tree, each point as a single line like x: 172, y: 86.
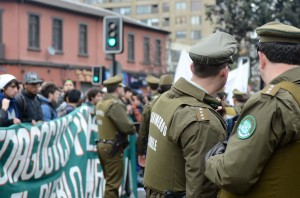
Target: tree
x: 240, y: 17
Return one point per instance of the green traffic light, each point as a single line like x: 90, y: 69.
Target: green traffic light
x: 112, y: 42
x: 96, y: 79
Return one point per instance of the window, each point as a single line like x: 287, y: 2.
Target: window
x: 158, y: 52
x: 195, y: 20
x: 180, y: 34
x: 166, y: 22
x: 146, y: 50
x: 166, y: 7
x: 57, y: 35
x: 151, y: 22
x: 130, y: 47
x: 83, y: 39
x: 195, y: 5
x: 34, y: 32
x: 123, y: 11
x: 180, y: 5
x: 180, y: 20
x: 146, y: 9
x: 196, y: 35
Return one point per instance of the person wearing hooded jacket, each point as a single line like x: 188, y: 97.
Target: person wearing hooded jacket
x: 49, y: 98
x: 9, y: 111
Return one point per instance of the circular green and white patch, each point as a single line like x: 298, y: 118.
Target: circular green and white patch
x: 246, y: 127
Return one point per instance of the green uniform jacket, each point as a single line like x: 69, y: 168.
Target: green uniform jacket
x: 267, y: 125
x: 118, y: 116
x: 191, y: 132
x: 144, y: 128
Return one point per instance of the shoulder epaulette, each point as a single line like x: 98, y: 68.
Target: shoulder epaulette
x: 270, y: 90
x: 202, y: 114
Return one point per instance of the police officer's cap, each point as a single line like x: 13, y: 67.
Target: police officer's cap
x: 238, y: 94
x: 114, y: 81
x: 166, y: 79
x: 152, y: 80
x: 278, y: 32
x: 214, y: 50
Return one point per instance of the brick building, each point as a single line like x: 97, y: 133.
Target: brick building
x: 63, y: 40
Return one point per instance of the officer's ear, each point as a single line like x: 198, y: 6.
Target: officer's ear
x: 192, y: 67
x: 262, y: 60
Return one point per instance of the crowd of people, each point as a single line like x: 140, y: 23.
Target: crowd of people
x: 191, y: 142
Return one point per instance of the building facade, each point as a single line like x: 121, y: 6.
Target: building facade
x: 63, y: 40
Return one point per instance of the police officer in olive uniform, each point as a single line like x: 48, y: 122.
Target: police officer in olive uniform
x: 113, y: 127
x: 153, y: 84
x: 165, y: 83
x: 184, y: 124
x: 262, y: 155
x: 239, y: 100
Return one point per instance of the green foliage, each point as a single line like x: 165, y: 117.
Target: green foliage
x: 239, y: 17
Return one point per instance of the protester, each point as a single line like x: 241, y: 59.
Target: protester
x: 262, y: 155
x: 184, y: 124
x: 93, y: 96
x: 113, y: 127
x: 49, y: 98
x: 9, y: 113
x: 73, y: 100
x: 68, y: 85
x: 28, y: 100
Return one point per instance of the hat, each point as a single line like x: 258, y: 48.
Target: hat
x: 222, y: 90
x: 152, y: 80
x: 114, y: 81
x: 214, y: 50
x: 5, y: 79
x: 166, y: 79
x: 278, y: 32
x: 238, y: 94
x: 32, y: 78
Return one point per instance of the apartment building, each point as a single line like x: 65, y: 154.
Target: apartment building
x: 64, y: 40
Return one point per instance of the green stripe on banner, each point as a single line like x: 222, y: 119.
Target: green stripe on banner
x: 56, y: 159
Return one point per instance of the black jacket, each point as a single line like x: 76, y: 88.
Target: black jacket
x: 30, y: 107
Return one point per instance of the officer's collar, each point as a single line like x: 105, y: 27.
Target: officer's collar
x: 186, y: 87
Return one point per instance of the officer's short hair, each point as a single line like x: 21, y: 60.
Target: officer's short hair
x: 111, y: 89
x: 279, y: 42
x: 205, y: 71
x: 288, y: 53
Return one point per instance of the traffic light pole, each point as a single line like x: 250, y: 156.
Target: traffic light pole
x: 114, y: 64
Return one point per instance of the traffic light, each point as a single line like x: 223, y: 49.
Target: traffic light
x: 98, y: 75
x: 113, y: 34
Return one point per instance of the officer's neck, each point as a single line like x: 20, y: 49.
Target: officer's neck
x: 210, y: 84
